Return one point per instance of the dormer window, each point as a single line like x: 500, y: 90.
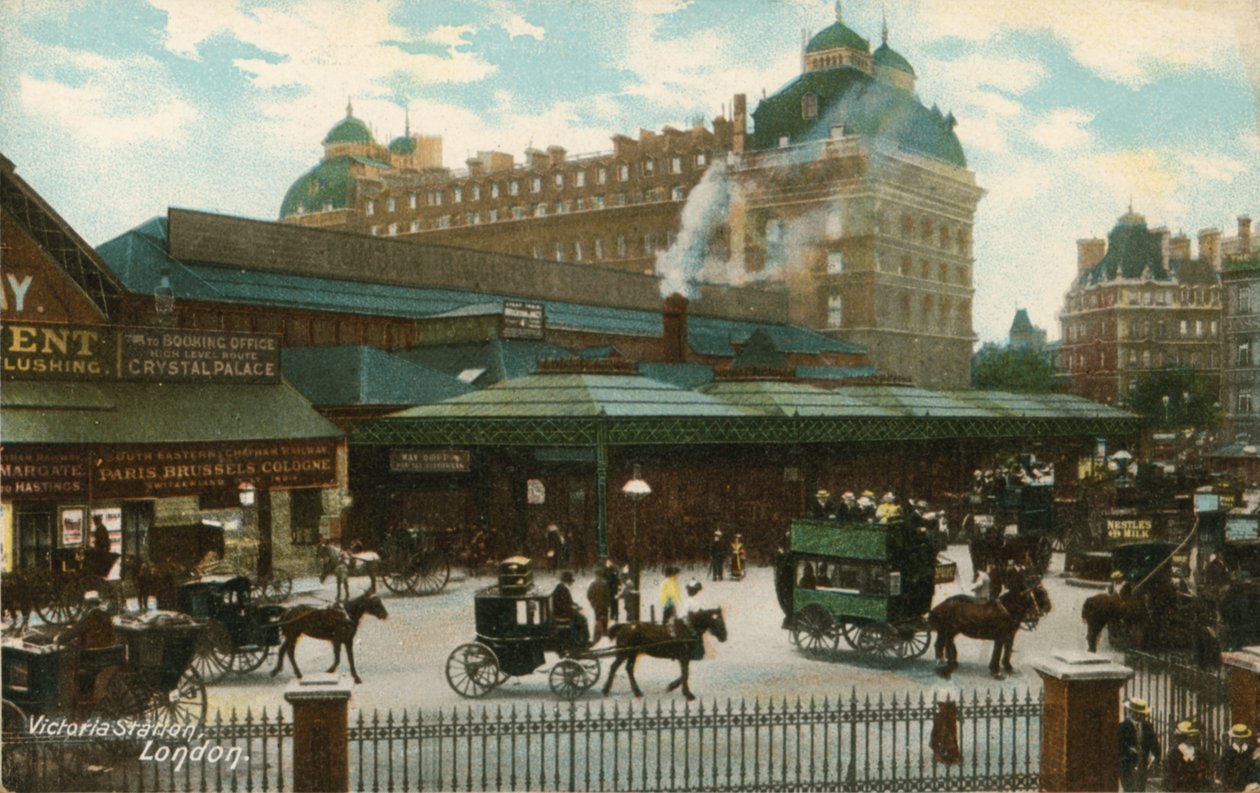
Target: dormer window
x: 809, y: 106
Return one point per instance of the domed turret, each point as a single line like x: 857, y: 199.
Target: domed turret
x: 890, y: 66
x: 349, y: 130
x: 837, y: 45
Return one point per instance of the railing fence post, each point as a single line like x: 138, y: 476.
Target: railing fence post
x: 1080, y: 721
x: 321, y: 738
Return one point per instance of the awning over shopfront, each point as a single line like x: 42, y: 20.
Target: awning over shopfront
x: 136, y: 440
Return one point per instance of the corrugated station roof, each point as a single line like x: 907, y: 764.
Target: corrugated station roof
x: 555, y: 395
x: 834, y: 372
x: 683, y: 375
x: 788, y: 398
x: 139, y: 256
x: 360, y: 375
x: 118, y: 412
x: 501, y: 359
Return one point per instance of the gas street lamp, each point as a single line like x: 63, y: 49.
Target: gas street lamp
x: 636, y: 490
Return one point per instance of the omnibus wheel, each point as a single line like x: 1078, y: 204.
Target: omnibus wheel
x: 472, y: 670
x: 814, y: 629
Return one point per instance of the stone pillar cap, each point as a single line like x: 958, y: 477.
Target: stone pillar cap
x: 1247, y: 658
x: 1080, y: 665
x: 318, y: 686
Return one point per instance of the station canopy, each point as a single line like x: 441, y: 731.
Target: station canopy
x: 568, y: 407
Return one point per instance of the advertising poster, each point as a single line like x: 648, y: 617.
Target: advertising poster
x: 72, y: 527
x: 111, y: 518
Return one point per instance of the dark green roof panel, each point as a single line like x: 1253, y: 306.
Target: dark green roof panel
x: 861, y: 105
x: 887, y: 56
x: 349, y: 130
x: 358, y: 375
x: 837, y: 36
x: 326, y: 185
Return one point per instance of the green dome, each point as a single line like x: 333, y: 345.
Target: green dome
x: 403, y: 145
x: 887, y: 56
x: 837, y: 36
x: 349, y: 130
x: 325, y: 185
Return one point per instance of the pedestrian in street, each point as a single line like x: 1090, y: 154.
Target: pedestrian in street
x: 597, y: 595
x: 557, y: 547
x: 717, y: 556
x: 737, y: 557
x: 671, y: 595
x: 612, y: 576
x: 1187, y: 767
x: 1235, y: 763
x: 1139, y: 745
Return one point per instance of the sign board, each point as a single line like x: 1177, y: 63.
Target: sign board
x: 1242, y: 528
x: 139, y: 471
x: 523, y: 320
x: 112, y: 518
x: 429, y: 461
x: 1207, y: 502
x: 43, y: 472
x: 1129, y: 528
x: 72, y: 527
x: 42, y: 351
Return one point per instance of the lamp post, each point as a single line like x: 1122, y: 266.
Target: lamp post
x: 636, y: 490
x: 1165, y: 399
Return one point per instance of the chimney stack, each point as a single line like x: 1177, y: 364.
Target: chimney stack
x: 739, y: 116
x: 1165, y: 245
x: 674, y: 329
x: 1244, y: 235
x: 1210, y: 247
x: 1180, y: 247
x: 1089, y: 252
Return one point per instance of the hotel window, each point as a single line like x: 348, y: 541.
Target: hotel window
x: 623, y: 172
x: 676, y: 192
x: 577, y: 251
x: 411, y: 200
x: 784, y: 141
x: 1198, y: 328
x: 675, y: 164
x: 473, y: 218
x: 458, y: 196
x: 370, y: 208
x: 1185, y: 327
x: 518, y: 213
x: 494, y: 216
x: 621, y: 245
x: 1244, y: 403
x: 1244, y: 354
x: 393, y: 229
x: 702, y: 159
x: 376, y: 231
x: 601, y: 176
x: 535, y: 184
x: 514, y: 187
x: 649, y: 243
x: 599, y: 202
x: 494, y: 189
x: 809, y: 106
x: 540, y: 210
x: 562, y: 208
x: 1213, y: 328
x: 835, y: 311
x: 579, y: 178
x: 1244, y: 300
x: 559, y: 179
x: 621, y: 198
x: 835, y: 262
x: 537, y: 251
x: 579, y: 204
x: 414, y: 227
x: 435, y: 198
x: 390, y: 205
x: 559, y: 251
x: 444, y: 222
x: 599, y: 249
x: 649, y: 167
x: 476, y: 192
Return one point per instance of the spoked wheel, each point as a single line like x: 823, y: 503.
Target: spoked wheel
x: 431, y: 575
x: 126, y: 695
x: 247, y: 659
x: 402, y: 581
x: 568, y: 679
x: 912, y: 639
x: 878, y: 639
x: 850, y: 631
x: 212, y: 657
x: 12, y: 718
x: 814, y: 629
x: 473, y: 670
x: 590, y: 665
x: 182, y: 706
x: 63, y: 604
x: 273, y: 588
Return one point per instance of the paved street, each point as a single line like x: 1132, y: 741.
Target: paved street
x: 402, y: 660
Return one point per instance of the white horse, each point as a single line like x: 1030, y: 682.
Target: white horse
x: 344, y: 563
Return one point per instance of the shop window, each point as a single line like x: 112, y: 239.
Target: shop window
x: 305, y: 510
x: 579, y: 178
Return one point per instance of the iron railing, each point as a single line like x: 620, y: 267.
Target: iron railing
x: 1177, y: 689
x: 880, y: 742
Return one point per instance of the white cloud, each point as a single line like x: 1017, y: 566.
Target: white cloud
x: 1215, y: 168
x: 189, y: 24
x: 1127, y: 41
x: 658, y: 7
x: 515, y: 25
x: 965, y: 75
x: 1063, y: 129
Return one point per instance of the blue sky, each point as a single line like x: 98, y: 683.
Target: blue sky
x: 117, y: 109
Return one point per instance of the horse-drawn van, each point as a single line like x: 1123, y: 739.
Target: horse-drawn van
x: 239, y: 631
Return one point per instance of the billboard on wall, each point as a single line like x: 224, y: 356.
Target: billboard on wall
x: 43, y: 351
x: 523, y: 320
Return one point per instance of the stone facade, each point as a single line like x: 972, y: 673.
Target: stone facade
x: 1240, y: 298
x: 843, y: 186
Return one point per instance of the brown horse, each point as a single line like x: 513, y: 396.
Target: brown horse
x: 680, y: 640
x: 1107, y: 608
x: 336, y: 624
x: 998, y: 620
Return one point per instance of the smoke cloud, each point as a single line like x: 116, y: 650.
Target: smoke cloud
x: 688, y: 259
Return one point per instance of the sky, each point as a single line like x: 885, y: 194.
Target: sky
x: 115, y: 110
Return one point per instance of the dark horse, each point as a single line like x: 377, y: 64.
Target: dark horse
x: 997, y: 620
x: 680, y: 640
x: 1107, y: 608
x: 336, y: 624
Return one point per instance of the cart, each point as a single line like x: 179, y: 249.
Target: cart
x: 870, y: 583
x: 415, y: 561
x: 515, y: 631
x: 239, y: 632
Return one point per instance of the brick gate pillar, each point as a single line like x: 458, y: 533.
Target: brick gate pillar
x: 1244, y: 685
x: 321, y: 747
x: 1080, y: 721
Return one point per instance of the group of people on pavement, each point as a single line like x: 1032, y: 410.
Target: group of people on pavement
x: 1188, y: 765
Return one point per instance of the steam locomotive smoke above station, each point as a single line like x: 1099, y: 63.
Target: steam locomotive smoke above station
x: 707, y: 207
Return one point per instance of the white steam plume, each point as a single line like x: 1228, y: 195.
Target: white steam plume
x: 707, y: 207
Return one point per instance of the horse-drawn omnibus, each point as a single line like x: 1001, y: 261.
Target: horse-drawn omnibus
x: 1016, y: 525
x: 870, y: 583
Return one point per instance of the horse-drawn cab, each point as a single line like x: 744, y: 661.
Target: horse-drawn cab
x: 1017, y: 526
x: 871, y: 583
x: 239, y: 632
x: 515, y: 628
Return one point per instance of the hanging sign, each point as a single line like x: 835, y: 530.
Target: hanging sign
x: 429, y: 461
